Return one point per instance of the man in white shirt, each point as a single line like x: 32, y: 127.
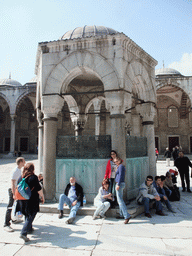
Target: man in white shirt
x: 15, y: 175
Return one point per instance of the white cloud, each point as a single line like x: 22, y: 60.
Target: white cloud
x: 184, y: 66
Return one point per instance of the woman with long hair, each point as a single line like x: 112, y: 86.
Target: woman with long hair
x: 120, y: 185
x: 100, y: 200
x: 111, y: 171
x: 30, y: 207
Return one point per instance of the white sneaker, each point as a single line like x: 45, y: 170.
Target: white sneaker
x: 94, y: 217
x: 8, y: 229
x: 102, y: 215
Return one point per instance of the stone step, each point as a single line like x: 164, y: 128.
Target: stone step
x: 133, y: 208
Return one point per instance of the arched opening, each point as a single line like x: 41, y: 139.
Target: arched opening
x: 26, y: 133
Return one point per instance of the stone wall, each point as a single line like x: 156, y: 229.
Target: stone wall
x: 90, y: 173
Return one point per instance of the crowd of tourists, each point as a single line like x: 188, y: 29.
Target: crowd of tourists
x: 153, y: 192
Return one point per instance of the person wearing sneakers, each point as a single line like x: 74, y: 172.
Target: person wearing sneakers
x: 148, y: 193
x: 120, y: 185
x: 73, y: 197
x: 183, y: 163
x: 158, y: 184
x: 100, y: 200
x: 15, y: 175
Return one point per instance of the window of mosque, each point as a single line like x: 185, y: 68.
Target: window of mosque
x: 173, y: 117
x: 190, y: 119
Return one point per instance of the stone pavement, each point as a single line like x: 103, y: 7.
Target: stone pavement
x: 168, y: 235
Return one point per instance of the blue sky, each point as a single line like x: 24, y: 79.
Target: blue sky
x: 163, y: 28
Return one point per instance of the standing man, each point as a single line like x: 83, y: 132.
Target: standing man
x: 73, y: 197
x: 167, y: 154
x: 183, y: 163
x: 15, y: 175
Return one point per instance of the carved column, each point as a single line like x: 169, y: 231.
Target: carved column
x: 148, y: 112
x: 12, y: 140
x: 97, y: 109
x: 79, y: 123
x: 117, y: 116
x: 40, y: 140
x: 51, y: 106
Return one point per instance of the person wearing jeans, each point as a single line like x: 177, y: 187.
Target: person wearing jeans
x: 29, y: 208
x: 15, y: 175
x: 73, y: 197
x: 148, y: 193
x: 100, y: 200
x: 120, y: 185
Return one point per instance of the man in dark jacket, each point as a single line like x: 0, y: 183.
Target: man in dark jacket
x: 73, y: 197
x: 158, y: 184
x: 183, y: 163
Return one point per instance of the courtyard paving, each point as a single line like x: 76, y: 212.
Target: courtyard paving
x: 167, y: 235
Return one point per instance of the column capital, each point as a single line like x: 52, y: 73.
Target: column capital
x: 13, y: 117
x: 147, y: 111
x: 51, y: 105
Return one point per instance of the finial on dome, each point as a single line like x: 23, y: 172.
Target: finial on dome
x: 163, y: 64
x: 9, y: 75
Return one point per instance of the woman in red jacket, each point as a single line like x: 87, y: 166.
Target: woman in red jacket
x: 111, y: 171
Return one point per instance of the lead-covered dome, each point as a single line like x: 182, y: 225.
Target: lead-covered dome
x: 167, y: 71
x: 88, y: 31
x: 9, y: 82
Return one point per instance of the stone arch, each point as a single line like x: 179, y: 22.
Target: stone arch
x: 185, y: 93
x: 6, y: 99
x: 92, y: 101
x: 138, y: 76
x: 72, y: 105
x: 174, y: 84
x: 76, y: 64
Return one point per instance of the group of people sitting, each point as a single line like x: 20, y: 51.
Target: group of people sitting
x: 111, y: 190
x: 161, y: 190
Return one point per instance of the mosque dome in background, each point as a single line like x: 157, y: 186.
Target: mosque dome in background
x: 9, y: 82
x: 88, y: 31
x: 167, y: 72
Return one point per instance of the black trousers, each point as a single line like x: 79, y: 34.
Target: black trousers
x: 9, y: 208
x: 185, y: 177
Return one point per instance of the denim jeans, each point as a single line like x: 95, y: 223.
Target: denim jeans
x: 9, y: 208
x: 167, y: 203
x: 63, y: 199
x: 101, y: 207
x: 146, y: 202
x: 28, y: 223
x: 122, y: 205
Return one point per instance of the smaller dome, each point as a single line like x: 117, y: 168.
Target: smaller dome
x: 167, y: 71
x: 9, y: 82
x: 88, y: 31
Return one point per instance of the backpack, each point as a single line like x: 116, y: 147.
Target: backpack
x: 23, y: 191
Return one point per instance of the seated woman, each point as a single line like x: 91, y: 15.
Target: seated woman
x: 100, y: 200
